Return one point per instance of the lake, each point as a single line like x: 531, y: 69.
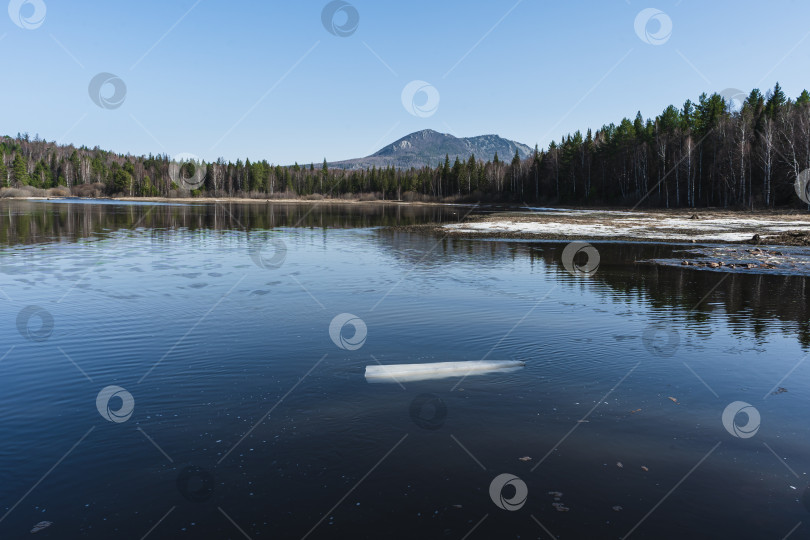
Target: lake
x: 197, y: 371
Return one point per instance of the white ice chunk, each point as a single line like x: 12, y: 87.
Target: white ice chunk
x: 438, y: 370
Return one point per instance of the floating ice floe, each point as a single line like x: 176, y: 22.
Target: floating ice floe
x: 438, y: 370
x: 41, y: 526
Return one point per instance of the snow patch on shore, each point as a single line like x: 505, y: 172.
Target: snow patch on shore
x: 636, y: 225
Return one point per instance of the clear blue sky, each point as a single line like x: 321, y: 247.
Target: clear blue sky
x: 266, y: 80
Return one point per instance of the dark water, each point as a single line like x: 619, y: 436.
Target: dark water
x: 238, y: 416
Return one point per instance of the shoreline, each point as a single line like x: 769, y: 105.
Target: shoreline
x: 505, y: 207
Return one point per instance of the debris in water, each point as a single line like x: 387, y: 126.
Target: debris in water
x: 673, y: 400
x: 41, y: 526
x: 619, y: 465
x: 645, y: 469
x: 635, y: 411
x: 617, y: 508
x: 555, y: 493
x: 525, y: 458
x: 560, y: 507
x: 779, y: 390
x: 787, y: 261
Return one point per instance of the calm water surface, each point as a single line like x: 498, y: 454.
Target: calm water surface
x: 237, y: 415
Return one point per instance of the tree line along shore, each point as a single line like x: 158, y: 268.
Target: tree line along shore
x: 707, y: 153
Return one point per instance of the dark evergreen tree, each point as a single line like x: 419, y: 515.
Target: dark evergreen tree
x: 19, y: 170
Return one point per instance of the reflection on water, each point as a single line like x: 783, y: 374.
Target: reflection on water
x: 753, y: 303
x: 27, y: 222
x: 186, y: 383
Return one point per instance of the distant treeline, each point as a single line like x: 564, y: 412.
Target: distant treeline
x: 705, y: 153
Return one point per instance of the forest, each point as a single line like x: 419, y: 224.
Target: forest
x: 714, y: 152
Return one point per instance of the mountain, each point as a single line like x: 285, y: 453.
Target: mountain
x: 428, y: 147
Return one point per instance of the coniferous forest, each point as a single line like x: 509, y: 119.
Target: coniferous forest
x: 704, y: 153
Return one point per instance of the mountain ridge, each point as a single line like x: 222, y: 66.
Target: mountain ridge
x: 428, y: 147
